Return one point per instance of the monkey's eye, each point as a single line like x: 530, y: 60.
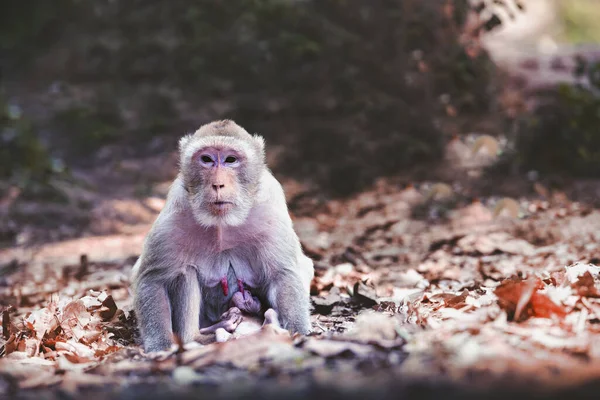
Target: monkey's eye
x: 206, y: 159
x: 230, y: 159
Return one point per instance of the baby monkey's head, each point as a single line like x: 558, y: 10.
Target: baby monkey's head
x: 221, y: 166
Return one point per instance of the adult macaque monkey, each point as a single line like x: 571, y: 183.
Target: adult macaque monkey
x: 225, y: 229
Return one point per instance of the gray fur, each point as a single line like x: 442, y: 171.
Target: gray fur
x: 176, y: 280
x: 184, y: 295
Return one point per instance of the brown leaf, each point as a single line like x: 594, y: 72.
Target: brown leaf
x: 521, y: 300
x: 11, y: 344
x: 586, y: 286
x: 458, y: 301
x: 543, y: 307
x: 106, y: 351
x: 89, y: 335
x: 109, y: 308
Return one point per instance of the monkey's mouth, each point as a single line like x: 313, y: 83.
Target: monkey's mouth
x: 221, y: 206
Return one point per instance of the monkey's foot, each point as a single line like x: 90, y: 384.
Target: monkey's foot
x: 271, y: 323
x: 229, y: 321
x: 163, y: 354
x: 246, y: 302
x: 271, y: 318
x: 157, y: 344
x: 221, y: 335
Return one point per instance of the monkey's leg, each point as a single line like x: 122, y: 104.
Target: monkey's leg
x: 288, y: 297
x: 184, y: 293
x: 154, y: 315
x: 229, y: 321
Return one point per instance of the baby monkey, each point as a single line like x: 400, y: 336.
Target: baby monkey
x: 243, y: 318
x: 222, y: 245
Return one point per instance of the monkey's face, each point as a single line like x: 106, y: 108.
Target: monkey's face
x: 219, y: 192
x: 221, y: 167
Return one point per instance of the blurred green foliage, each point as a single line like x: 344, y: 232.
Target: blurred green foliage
x: 563, y: 134
x: 27, y: 29
x: 24, y: 161
x: 351, y: 88
x: 580, y: 19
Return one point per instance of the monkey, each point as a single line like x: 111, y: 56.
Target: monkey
x: 225, y: 228
x: 242, y: 319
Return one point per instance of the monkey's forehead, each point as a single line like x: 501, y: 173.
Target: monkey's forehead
x: 218, y: 142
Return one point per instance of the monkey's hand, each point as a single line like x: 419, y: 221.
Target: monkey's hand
x: 246, y: 302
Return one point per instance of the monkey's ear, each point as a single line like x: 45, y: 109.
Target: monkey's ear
x: 184, y: 141
x: 260, y: 143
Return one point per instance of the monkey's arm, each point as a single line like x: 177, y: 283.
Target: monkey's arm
x: 287, y: 280
x: 288, y: 271
x: 167, y: 293
x: 291, y: 301
x: 153, y: 312
x: 185, y: 297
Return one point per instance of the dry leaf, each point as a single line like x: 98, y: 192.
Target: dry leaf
x: 586, y: 286
x: 458, y: 301
x: 521, y: 300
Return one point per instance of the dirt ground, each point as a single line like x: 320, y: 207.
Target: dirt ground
x: 422, y: 289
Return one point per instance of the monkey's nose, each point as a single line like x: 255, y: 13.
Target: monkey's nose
x: 217, y: 187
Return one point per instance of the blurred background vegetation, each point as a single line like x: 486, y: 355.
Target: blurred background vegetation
x: 350, y: 89
x: 580, y: 18
x: 561, y: 135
